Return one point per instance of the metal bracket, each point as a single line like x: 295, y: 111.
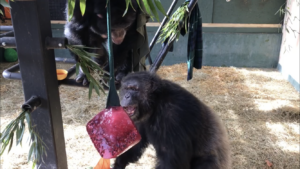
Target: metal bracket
x: 32, y: 104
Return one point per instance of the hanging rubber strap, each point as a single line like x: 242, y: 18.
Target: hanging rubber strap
x: 113, y: 98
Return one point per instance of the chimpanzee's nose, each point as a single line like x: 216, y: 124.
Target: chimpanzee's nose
x: 127, y: 96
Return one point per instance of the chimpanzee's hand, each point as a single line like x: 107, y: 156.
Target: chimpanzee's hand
x: 118, y: 78
x: 81, y: 78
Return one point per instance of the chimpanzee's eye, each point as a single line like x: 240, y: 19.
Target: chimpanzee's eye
x: 134, y: 88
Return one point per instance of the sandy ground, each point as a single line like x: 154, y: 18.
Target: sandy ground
x: 259, y: 108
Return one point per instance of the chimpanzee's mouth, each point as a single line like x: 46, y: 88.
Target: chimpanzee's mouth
x: 130, y: 109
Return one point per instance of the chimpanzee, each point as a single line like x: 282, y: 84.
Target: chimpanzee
x: 185, y: 133
x: 91, y: 30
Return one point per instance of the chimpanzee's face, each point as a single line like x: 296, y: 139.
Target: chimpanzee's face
x: 134, y: 96
x: 119, y: 23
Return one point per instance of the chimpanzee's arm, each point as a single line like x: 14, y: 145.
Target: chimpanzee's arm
x: 133, y: 154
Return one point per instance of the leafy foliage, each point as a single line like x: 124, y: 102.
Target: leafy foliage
x: 17, y: 127
x: 171, y: 30
x: 148, y: 4
x: 88, y: 66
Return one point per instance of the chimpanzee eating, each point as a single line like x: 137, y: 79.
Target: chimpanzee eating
x: 185, y: 133
x: 91, y: 30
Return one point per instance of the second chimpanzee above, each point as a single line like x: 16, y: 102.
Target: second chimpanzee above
x: 128, y: 34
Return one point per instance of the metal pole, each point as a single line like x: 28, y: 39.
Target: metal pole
x: 154, y: 39
x: 31, y: 22
x: 165, y: 49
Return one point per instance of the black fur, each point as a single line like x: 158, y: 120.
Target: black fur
x: 90, y: 30
x: 185, y: 133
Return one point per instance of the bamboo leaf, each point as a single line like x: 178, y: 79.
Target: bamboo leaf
x: 90, y: 90
x: 97, y: 89
x: 37, y: 152
x: 1, y: 12
x: 8, y: 129
x: 71, y: 6
x: 84, y: 69
x: 11, y: 141
x: 148, y: 11
x: 3, y: 147
x: 130, y: 2
x: 30, y: 151
x: 87, y: 65
x: 77, y: 68
x: 82, y: 6
x: 127, y: 5
x: 160, y: 7
x: 6, y: 132
x: 6, y: 139
x: 153, y: 10
x: 91, y: 61
x: 22, y: 134
x: 33, y: 164
x: 81, y: 46
x: 92, y: 54
x: 27, y: 116
x: 18, y: 135
x: 171, y: 29
x: 138, y: 2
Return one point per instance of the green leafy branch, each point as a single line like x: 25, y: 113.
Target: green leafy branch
x: 172, y: 29
x: 149, y: 7
x: 88, y: 66
x: 71, y: 6
x: 17, y: 127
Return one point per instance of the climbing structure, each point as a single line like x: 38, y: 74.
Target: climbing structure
x: 34, y: 42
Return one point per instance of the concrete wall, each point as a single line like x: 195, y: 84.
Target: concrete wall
x: 241, y: 44
x: 289, y: 54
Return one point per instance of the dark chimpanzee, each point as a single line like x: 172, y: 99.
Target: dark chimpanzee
x: 91, y: 30
x: 185, y: 133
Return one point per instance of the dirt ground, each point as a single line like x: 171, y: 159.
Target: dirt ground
x: 259, y: 108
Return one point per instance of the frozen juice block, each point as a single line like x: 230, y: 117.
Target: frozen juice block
x: 112, y: 132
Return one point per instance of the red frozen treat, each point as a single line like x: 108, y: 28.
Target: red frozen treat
x: 112, y: 132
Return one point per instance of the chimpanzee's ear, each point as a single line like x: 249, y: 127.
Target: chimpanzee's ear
x: 154, y: 84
